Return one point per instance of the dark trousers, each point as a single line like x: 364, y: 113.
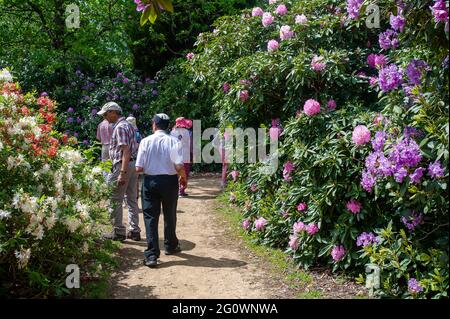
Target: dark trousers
x: 157, y: 191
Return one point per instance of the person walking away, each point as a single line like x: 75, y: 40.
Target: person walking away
x: 160, y: 159
x: 132, y: 121
x: 104, y: 132
x: 122, y: 151
x: 182, y: 131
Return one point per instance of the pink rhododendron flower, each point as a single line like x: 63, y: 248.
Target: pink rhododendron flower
x: 246, y: 224
x: 190, y: 56
x: 260, y: 223
x: 286, y: 33
x: 287, y: 170
x: 301, y: 207
x: 253, y: 187
x: 298, y: 227
x: 338, y: 252
x: 226, y: 87
x: 354, y: 206
x: 331, y: 104
x: 267, y: 19
x: 317, y: 63
x: 301, y: 19
x: 235, y: 175
x: 311, y: 107
x: 361, y: 135
x: 312, y: 229
x: 273, y: 45
x: 373, y: 81
x: 257, y: 12
x: 281, y: 10
x: 293, y: 242
x: 243, y: 96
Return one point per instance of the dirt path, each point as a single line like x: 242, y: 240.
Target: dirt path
x: 208, y: 267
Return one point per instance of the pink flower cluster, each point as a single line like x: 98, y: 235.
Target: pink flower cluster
x: 257, y: 12
x: 337, y: 253
x: 286, y: 33
x: 293, y: 242
x: 244, y: 95
x: 260, y: 223
x: 287, y: 170
x: 354, y: 206
x: 301, y: 207
x: 190, y: 56
x: 361, y: 135
x: 377, y: 61
x: 331, y: 104
x: 246, y: 224
x: 317, y: 63
x: 301, y: 19
x: 267, y: 19
x: 273, y: 45
x: 281, y: 10
x: 311, y: 107
x: 310, y: 229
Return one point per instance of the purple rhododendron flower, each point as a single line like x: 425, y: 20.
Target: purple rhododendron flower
x: 366, y: 239
x: 368, y: 181
x: 246, y: 224
x: 353, y: 7
x: 415, y: 69
x: 378, y: 141
x: 389, y: 78
x: 417, y: 175
x: 397, y: 22
x: 317, y: 63
x: 414, y: 286
x: 412, y: 221
x: 435, y: 170
x: 286, y: 33
x: 440, y: 11
x: 301, y: 19
x: 312, y: 229
x: 388, y: 39
x: 244, y: 95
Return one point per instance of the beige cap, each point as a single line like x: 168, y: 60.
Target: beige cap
x: 110, y: 106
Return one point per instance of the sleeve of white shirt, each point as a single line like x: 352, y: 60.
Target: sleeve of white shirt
x: 141, y: 154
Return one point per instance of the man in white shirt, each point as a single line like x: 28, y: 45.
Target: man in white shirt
x: 160, y: 159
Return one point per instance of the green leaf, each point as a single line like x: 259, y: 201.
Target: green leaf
x: 166, y: 4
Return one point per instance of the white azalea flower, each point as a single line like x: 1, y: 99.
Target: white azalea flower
x: 5, y: 76
x: 23, y: 256
x: 4, y: 214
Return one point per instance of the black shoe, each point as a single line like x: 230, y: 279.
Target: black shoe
x: 173, y: 251
x: 151, y: 262
x: 134, y: 236
x: 114, y: 236
x: 183, y: 195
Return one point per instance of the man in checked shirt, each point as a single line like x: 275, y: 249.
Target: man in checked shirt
x: 123, y: 152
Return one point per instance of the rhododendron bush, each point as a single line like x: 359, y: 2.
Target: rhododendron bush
x: 363, y: 130
x: 52, y: 200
